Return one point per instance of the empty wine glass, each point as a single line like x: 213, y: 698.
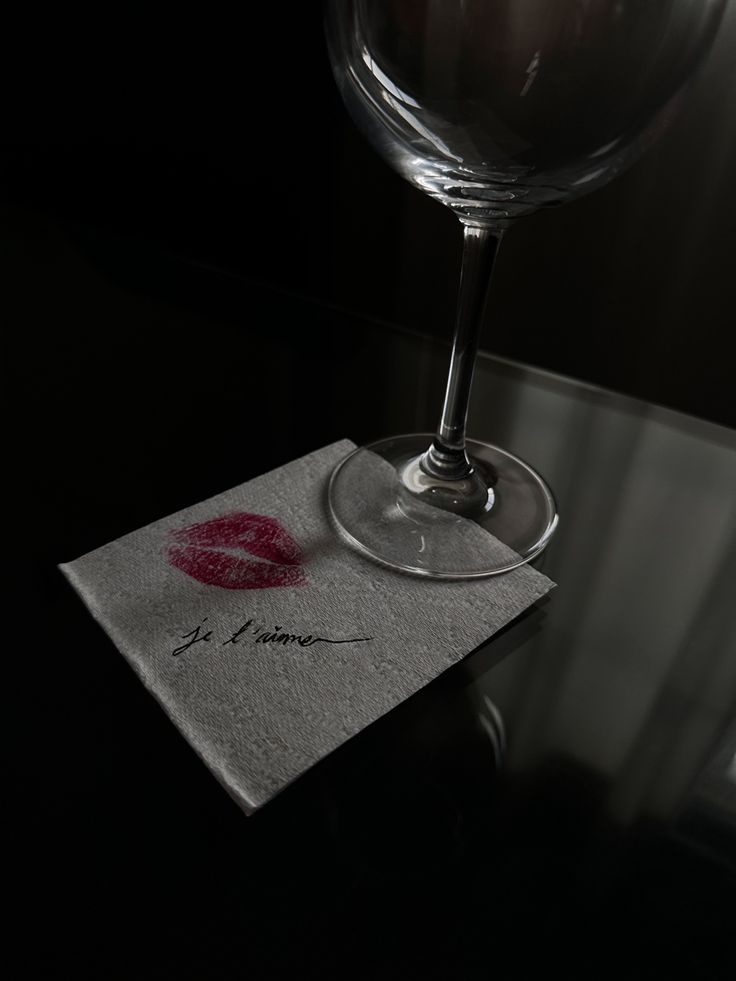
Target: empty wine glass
x: 495, y: 108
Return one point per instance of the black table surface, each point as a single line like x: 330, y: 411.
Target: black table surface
x: 598, y: 838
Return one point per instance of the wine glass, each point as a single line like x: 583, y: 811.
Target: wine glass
x: 495, y: 108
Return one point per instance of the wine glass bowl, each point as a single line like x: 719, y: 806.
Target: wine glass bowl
x: 495, y: 108
x: 499, y: 107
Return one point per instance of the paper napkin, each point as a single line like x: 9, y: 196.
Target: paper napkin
x: 267, y: 640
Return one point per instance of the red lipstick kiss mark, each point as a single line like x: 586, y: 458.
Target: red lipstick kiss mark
x: 213, y: 552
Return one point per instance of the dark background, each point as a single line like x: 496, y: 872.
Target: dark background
x: 172, y: 153
x: 153, y: 176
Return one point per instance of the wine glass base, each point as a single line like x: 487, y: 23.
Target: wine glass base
x: 378, y: 509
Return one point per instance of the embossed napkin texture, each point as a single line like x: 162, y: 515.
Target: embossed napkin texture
x: 269, y: 642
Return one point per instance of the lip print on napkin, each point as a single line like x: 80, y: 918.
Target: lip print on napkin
x: 214, y: 552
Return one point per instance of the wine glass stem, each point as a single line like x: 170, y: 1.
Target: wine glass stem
x: 446, y: 457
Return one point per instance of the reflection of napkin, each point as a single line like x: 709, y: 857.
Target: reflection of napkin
x: 266, y: 640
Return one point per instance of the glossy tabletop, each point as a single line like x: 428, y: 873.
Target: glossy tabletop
x: 564, y: 799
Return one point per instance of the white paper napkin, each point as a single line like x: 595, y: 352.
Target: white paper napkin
x: 268, y: 641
